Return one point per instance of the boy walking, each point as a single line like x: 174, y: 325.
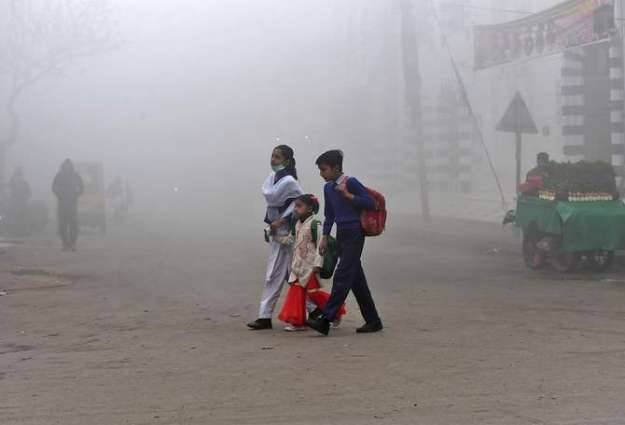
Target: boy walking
x: 345, y: 198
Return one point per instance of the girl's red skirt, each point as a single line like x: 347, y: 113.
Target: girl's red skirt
x: 294, y: 307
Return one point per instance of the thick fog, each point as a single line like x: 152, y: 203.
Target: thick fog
x: 195, y: 94
x: 187, y: 99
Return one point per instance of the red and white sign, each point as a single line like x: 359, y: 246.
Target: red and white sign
x: 569, y: 24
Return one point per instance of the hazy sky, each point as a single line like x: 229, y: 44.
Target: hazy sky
x: 198, y: 92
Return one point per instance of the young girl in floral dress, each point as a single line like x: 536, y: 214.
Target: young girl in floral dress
x: 305, y: 267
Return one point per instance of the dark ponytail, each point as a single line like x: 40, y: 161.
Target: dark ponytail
x: 289, y: 155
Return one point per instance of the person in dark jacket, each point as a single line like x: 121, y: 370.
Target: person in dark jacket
x: 68, y: 187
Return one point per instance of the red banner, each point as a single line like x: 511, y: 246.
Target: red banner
x: 569, y: 24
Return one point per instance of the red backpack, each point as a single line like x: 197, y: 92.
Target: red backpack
x: 374, y: 221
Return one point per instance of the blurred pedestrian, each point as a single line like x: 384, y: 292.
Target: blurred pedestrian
x: 19, y: 199
x: 68, y: 187
x: 117, y: 200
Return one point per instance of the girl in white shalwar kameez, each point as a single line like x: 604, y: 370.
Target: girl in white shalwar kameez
x: 280, y: 189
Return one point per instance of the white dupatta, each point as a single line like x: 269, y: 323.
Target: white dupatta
x: 277, y: 194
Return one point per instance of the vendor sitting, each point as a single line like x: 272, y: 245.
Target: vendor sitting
x: 541, y: 169
x: 536, y: 177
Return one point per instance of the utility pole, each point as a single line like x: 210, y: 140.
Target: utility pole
x: 412, y: 80
x: 620, y: 17
x: 619, y: 14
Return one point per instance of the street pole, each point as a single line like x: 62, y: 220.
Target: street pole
x: 3, y: 176
x: 620, y: 27
x: 518, y: 140
x: 519, y: 156
x: 412, y: 80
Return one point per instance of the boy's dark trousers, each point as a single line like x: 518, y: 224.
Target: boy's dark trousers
x: 349, y: 275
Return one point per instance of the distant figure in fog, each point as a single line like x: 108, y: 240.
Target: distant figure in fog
x: 68, y: 187
x: 130, y: 196
x: 19, y: 198
x: 118, y: 199
x: 19, y: 189
x: 542, y: 166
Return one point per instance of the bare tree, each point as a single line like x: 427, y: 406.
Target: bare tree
x: 40, y: 38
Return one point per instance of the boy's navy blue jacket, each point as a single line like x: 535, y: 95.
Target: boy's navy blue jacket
x: 346, y: 214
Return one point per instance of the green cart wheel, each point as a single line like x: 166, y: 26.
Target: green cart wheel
x: 565, y: 262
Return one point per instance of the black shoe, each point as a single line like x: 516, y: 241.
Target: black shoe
x: 260, y: 324
x: 315, y: 314
x: 369, y: 328
x: 321, y: 325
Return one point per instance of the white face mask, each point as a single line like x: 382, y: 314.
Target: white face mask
x: 278, y: 168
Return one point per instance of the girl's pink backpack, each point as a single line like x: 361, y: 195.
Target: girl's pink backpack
x: 374, y: 221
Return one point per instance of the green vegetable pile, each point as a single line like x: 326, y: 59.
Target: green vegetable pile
x: 580, y: 177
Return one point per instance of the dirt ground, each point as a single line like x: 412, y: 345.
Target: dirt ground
x: 138, y: 328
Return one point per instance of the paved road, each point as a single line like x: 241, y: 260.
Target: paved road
x: 148, y: 329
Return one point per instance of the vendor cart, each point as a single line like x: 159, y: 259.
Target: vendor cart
x: 568, y: 233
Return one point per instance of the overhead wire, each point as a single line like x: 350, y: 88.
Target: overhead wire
x: 465, y: 97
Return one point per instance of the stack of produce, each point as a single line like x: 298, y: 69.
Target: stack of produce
x: 579, y: 182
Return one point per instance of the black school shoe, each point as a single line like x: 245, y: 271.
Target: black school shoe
x: 321, y: 325
x: 260, y: 324
x: 370, y: 328
x: 315, y: 314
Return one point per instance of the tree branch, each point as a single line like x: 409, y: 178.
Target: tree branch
x: 44, y: 37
